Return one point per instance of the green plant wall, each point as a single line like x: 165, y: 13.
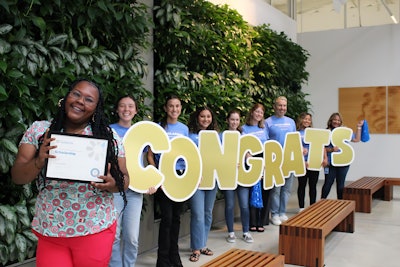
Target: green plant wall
x: 208, y: 55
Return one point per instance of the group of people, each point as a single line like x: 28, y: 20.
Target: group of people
x: 73, y: 217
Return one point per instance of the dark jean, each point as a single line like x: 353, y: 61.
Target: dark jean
x: 338, y: 173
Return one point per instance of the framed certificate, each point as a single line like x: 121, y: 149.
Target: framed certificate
x: 78, y: 157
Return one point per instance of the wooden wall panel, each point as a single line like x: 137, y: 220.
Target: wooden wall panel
x: 358, y: 103
x: 393, y: 109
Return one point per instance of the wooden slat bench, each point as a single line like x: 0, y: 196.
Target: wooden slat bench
x: 302, y: 237
x: 364, y: 190
x: 246, y: 258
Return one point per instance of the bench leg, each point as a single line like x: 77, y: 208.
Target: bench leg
x: 347, y: 225
x: 315, y: 248
x: 388, y: 192
x: 304, y: 247
x: 362, y: 197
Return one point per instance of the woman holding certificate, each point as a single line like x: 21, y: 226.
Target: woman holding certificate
x: 75, y: 219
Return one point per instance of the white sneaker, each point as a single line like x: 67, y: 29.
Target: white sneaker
x: 275, y: 220
x: 248, y: 238
x: 301, y: 209
x: 283, y: 218
x: 231, y: 238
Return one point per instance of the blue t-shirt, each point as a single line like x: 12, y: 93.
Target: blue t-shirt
x: 195, y: 138
x: 278, y: 128
x: 305, y: 145
x: 260, y: 133
x: 121, y: 130
x: 175, y: 130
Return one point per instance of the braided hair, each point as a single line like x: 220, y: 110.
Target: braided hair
x: 100, y: 129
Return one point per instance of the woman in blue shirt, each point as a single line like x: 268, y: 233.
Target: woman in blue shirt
x: 255, y: 125
x: 202, y: 202
x: 168, y: 249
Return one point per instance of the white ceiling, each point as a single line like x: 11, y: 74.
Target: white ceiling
x: 315, y: 15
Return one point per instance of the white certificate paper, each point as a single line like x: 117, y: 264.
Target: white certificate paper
x: 80, y: 158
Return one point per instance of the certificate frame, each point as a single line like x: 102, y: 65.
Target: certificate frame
x: 78, y: 157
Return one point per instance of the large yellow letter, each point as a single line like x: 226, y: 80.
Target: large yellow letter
x: 181, y: 187
x: 219, y: 161
x: 293, y: 159
x: 250, y: 143
x: 318, y: 139
x: 340, y: 138
x: 273, y: 157
x: 135, y: 140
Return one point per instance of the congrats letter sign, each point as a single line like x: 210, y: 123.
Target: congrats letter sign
x: 225, y: 162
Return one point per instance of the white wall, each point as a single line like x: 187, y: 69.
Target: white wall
x: 257, y: 12
x: 355, y: 57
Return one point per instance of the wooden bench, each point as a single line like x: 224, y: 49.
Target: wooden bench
x: 246, y: 258
x: 365, y: 189
x: 302, y: 237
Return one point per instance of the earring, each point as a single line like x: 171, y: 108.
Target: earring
x: 93, y: 118
x: 59, y: 102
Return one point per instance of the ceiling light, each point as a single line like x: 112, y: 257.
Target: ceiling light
x: 389, y: 12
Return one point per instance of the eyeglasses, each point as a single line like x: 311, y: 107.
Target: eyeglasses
x: 75, y: 94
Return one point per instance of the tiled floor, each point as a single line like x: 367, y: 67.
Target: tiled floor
x: 375, y: 242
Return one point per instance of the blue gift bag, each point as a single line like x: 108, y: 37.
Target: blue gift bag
x: 365, y: 132
x: 256, y: 200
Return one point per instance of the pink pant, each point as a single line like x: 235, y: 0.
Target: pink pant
x: 85, y: 251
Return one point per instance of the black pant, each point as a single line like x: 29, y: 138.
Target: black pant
x: 260, y: 216
x: 312, y: 178
x: 168, y: 250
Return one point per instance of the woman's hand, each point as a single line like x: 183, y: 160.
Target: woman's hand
x: 109, y: 182
x: 43, y: 153
x: 151, y: 190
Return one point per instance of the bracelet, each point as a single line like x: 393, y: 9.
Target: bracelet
x: 359, y: 128
x: 37, y: 167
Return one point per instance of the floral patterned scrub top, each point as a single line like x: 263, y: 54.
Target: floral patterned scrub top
x: 70, y: 208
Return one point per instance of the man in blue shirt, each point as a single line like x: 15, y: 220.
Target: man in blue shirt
x: 278, y: 125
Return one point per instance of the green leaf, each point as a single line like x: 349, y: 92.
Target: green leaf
x: 15, y: 111
x: 15, y: 73
x: 8, y: 213
x: 57, y: 39
x: 3, y: 93
x: 39, y: 22
x: 3, y: 66
x: 84, y: 50
x: 5, y: 28
x: 9, y: 236
x: 20, y: 242
x: 27, y: 191
x: 5, y: 47
x: 9, y: 145
x: 4, y: 252
x: 2, y: 225
x: 102, y: 5
x: 29, y: 235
